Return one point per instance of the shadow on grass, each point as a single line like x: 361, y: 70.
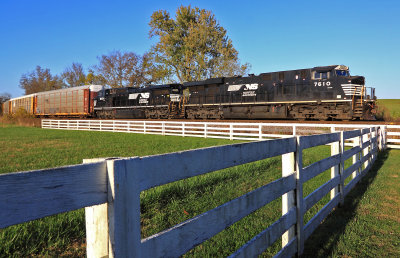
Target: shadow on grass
x: 325, y: 237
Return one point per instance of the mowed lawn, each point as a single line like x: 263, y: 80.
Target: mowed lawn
x: 165, y: 206
x: 390, y: 106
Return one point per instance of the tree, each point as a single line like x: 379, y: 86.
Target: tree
x: 93, y: 78
x: 74, y: 76
x: 193, y: 46
x: 39, y: 80
x: 121, y: 69
x: 4, y: 97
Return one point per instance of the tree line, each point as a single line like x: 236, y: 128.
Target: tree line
x: 192, y: 46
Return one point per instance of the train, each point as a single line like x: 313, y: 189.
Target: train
x: 318, y: 93
x: 68, y: 102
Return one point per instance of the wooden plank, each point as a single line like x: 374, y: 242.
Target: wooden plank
x: 266, y: 238
x: 288, y: 199
x: 320, y: 216
x: 366, y: 144
x: 96, y: 222
x: 124, y: 209
x: 351, y: 169
x: 184, y: 236
x: 163, y: 169
x: 299, y: 198
x: 351, y: 184
x: 364, y: 131
x: 318, y: 167
x: 320, y: 192
x: 335, y: 150
x: 289, y: 250
x: 366, y: 157
x: 351, y: 134
x: 351, y: 152
x: 36, y: 194
x: 316, y: 140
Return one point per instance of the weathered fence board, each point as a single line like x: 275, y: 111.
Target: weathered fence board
x: 288, y: 250
x: 319, y: 193
x: 347, y: 172
x: 351, y: 134
x: 183, y: 237
x: 266, y: 238
x: 351, y: 152
x: 321, y: 215
x: 163, y: 169
x: 31, y: 195
x: 320, y: 139
x: 318, y: 167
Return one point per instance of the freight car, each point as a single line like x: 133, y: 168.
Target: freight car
x: 68, y: 102
x: 320, y: 93
x: 26, y: 103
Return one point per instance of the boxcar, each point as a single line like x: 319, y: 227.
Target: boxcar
x: 76, y: 101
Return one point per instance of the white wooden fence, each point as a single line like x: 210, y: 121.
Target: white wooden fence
x: 222, y: 130
x: 110, y: 191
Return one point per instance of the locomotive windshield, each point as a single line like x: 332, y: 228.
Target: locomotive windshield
x: 342, y: 73
x: 323, y: 75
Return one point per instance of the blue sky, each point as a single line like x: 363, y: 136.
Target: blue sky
x: 270, y: 35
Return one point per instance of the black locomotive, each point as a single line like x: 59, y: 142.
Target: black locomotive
x: 321, y: 93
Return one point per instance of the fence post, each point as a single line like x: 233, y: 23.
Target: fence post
x: 341, y: 168
x: 294, y: 130
x: 96, y: 220
x: 384, y: 137
x: 183, y: 129
x: 365, y: 151
x: 205, y: 130
x: 288, y: 199
x: 113, y: 228
x: 335, y: 146
x: 335, y: 149
x: 144, y: 127
x: 260, y: 132
x: 299, y: 197
x: 124, y: 208
x: 163, y: 128
x: 356, y: 157
x: 230, y: 131
x: 360, y: 154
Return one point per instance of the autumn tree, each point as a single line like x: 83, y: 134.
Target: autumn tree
x: 93, y: 78
x: 74, y: 75
x: 120, y: 69
x: 193, y: 46
x: 40, y: 80
x: 3, y: 98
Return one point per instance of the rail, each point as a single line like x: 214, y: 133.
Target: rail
x: 110, y: 191
x: 222, y: 130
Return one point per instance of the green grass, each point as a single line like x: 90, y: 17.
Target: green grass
x: 389, y: 109
x: 368, y: 225
x: 161, y: 207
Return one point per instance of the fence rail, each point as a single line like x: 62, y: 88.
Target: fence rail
x: 110, y: 191
x: 221, y: 130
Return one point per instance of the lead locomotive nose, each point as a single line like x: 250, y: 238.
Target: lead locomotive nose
x: 360, y: 80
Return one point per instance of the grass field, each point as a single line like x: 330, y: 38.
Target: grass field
x: 389, y: 109
x: 165, y: 206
